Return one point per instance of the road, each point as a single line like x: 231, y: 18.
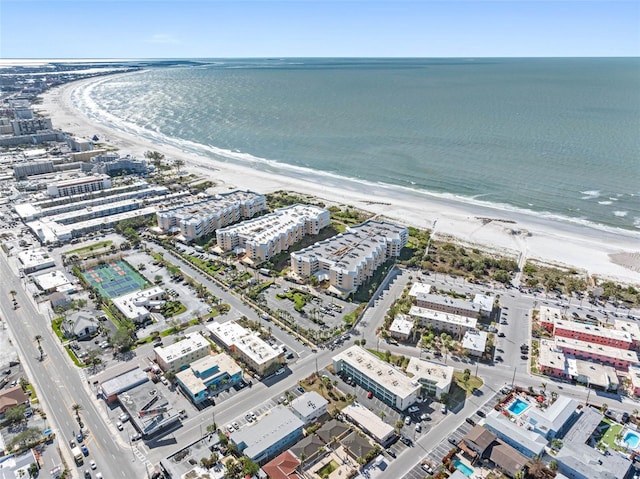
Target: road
x: 59, y: 384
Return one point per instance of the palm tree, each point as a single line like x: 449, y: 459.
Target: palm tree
x: 77, y: 408
x: 38, y: 338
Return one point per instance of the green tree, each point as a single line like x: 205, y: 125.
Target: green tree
x: 249, y: 468
x: 25, y: 437
x: 15, y: 415
x: 122, y: 338
x: 553, y: 465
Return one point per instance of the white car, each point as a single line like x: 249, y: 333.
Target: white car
x: 92, y: 463
x: 407, y: 420
x: 413, y: 409
x: 119, y: 426
x: 230, y: 428
x: 136, y: 436
x: 280, y: 371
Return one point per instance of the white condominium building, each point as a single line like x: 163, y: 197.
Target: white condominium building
x: 79, y: 186
x: 351, y: 258
x: 262, y: 238
x: 451, y: 323
x: 178, y: 356
x: 204, y: 216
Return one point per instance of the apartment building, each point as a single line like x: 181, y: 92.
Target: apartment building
x: 348, y: 260
x: 589, y: 333
x: 28, y: 126
x: 434, y: 378
x: 377, y: 376
x: 31, y: 168
x: 264, y: 237
x: 180, y: 355
x: 474, y: 342
x: 113, y: 164
x: 454, y: 324
x: 446, y: 304
x: 247, y: 346
x: 78, y: 186
x: 203, y: 217
x: 209, y: 375
x: 611, y: 356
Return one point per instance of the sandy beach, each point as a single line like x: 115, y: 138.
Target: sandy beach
x: 606, y: 254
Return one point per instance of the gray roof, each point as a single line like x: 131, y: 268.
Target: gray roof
x: 590, y: 463
x: 124, y: 381
x: 332, y: 428
x: 584, y: 426
x: 261, y: 435
x: 308, y: 403
x: 555, y: 416
x: 516, y: 434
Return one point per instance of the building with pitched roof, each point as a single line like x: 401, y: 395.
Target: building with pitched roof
x: 12, y: 397
x: 285, y: 466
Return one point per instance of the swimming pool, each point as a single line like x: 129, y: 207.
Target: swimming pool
x: 631, y: 439
x: 463, y: 468
x: 518, y: 407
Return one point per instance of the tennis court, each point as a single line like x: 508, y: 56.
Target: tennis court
x: 114, y: 279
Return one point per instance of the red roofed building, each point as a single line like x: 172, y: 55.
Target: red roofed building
x: 282, y: 467
x: 12, y: 397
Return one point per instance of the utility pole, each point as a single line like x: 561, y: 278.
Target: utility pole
x: 513, y: 380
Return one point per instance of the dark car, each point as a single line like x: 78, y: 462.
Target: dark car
x: 498, y: 359
x: 406, y: 441
x: 481, y: 414
x: 390, y: 452
x: 625, y: 418
x: 501, y: 334
x: 524, y: 356
x: 470, y: 421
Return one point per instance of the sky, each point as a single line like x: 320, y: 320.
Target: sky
x: 301, y: 28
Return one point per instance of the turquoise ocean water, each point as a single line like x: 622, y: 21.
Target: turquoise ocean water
x: 555, y: 137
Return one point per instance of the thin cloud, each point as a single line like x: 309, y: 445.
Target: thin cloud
x: 163, y: 39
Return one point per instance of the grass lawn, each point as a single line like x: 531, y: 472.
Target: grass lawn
x: 469, y: 386
x: 328, y: 468
x: 610, y: 436
x: 91, y: 249
x: 312, y: 383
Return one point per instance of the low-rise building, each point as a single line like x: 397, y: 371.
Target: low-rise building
x: 264, y: 237
x: 209, y: 375
x: 634, y: 377
x: 607, y: 355
x: 81, y: 325
x: 151, y: 412
x: 269, y: 436
x: 555, y: 420
x: 435, y: 379
x: 370, y: 423
x: 401, y: 327
x: 179, y: 355
x: 377, y: 376
x: 474, y: 342
x: 309, y: 407
x: 516, y: 435
x: 453, y: 324
x: 110, y: 388
x: 137, y: 306
x: 418, y: 290
x: 597, y: 335
x: 446, y: 304
x: 35, y: 260
x: 247, y: 346
x: 12, y: 397
x: 54, y: 281
x: 285, y: 466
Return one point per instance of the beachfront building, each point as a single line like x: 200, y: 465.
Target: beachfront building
x: 31, y: 168
x: 370, y: 423
x: 29, y: 126
x: 247, y: 346
x: 209, y: 375
x: 309, y: 407
x: 401, y: 327
x: 474, y: 342
x: 446, y: 304
x: 348, y: 260
x: 454, y: 324
x: 113, y: 164
x: 262, y: 238
x: 180, y: 355
x: 386, y: 382
x: 547, y: 317
x: 202, y: 217
x: 137, y: 306
x: 269, y: 436
x: 78, y: 186
x: 615, y: 357
x: 435, y: 379
x: 35, y: 260
x: 630, y: 328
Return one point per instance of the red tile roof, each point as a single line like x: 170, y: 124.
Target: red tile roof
x: 282, y: 467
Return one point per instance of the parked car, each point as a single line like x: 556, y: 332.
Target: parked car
x: 92, y: 463
x: 406, y: 441
x: 413, y: 409
x: 124, y: 417
x: 524, y: 356
x: 280, y: 371
x: 498, y: 359
x: 443, y: 409
x: 425, y: 417
x: 470, y: 421
x: 369, y: 395
x: 624, y: 418
x: 136, y: 436
x: 418, y: 428
x: 407, y: 420
x: 452, y: 441
x: 481, y: 414
x: 119, y: 426
x: 390, y: 452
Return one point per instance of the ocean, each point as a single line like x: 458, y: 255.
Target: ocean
x: 558, y: 138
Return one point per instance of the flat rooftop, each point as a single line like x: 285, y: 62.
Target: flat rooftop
x: 401, y: 325
x: 191, y: 342
x: 210, y: 206
x: 591, y: 348
x: 419, y: 288
x: 437, y: 373
x: 449, y: 302
x: 474, y: 340
x: 370, y: 421
x: 582, y: 328
x: 439, y: 316
x: 232, y: 335
x: 378, y: 371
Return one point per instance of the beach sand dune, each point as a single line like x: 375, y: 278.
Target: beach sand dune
x: 607, y: 254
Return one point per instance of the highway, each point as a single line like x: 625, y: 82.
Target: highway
x: 59, y: 384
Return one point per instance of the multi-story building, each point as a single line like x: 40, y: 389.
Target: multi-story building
x: 35, y: 260
x: 79, y: 186
x: 608, y: 355
x: 434, y: 378
x: 113, y: 164
x: 309, y: 407
x: 209, y: 375
x: 474, y: 342
x: 247, y: 346
x: 445, y: 304
x: 634, y: 377
x: 348, y: 260
x: 269, y: 436
x: 454, y: 324
x: 30, y: 168
x: 29, y: 126
x: 401, y: 327
x: 180, y: 355
x: 597, y: 335
x: 203, y: 217
x: 377, y: 376
x: 262, y: 238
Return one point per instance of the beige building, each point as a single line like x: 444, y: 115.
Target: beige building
x: 264, y: 237
x: 78, y: 186
x: 348, y: 260
x: 180, y: 355
x: 247, y: 346
x: 453, y: 324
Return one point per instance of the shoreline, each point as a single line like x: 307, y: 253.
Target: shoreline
x: 605, y: 254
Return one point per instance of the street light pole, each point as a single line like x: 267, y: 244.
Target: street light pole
x: 513, y: 380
